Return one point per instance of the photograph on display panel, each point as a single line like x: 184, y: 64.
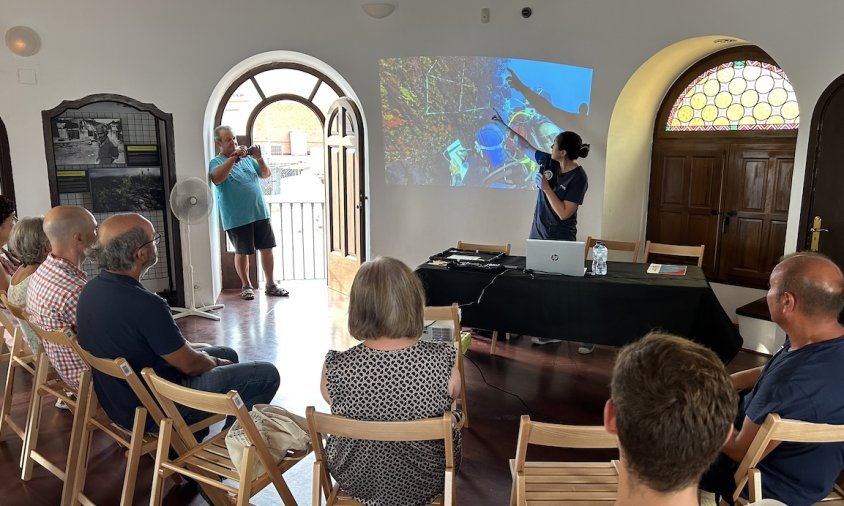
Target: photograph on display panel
x: 126, y: 189
x: 88, y: 141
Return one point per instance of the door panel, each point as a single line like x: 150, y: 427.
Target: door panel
x: 758, y: 186
x: 685, y: 194
x: 345, y: 170
x: 824, y: 177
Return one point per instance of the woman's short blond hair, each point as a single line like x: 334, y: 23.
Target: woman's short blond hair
x: 387, y: 300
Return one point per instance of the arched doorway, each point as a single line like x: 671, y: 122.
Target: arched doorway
x: 282, y: 106
x: 722, y: 164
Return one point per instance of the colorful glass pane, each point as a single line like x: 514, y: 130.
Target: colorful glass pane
x: 738, y: 95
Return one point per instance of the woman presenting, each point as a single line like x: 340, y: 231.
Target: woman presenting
x: 562, y: 183
x: 555, y: 216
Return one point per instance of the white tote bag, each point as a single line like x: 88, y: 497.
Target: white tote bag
x: 280, y: 429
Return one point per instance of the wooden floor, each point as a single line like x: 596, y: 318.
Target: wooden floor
x: 551, y: 383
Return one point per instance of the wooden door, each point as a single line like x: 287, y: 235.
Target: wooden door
x: 822, y: 187
x: 345, y: 199
x: 755, y: 212
x: 685, y: 196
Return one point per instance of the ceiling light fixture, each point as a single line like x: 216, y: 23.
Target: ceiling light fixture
x: 23, y: 40
x: 378, y: 10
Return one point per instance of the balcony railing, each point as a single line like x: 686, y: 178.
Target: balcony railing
x: 299, y: 229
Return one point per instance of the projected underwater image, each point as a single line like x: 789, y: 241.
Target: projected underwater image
x: 437, y: 117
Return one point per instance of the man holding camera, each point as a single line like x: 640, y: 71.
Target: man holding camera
x: 235, y: 172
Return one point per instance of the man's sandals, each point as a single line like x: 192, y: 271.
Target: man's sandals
x: 247, y: 293
x: 276, y: 291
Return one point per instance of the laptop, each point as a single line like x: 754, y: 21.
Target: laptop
x: 558, y: 257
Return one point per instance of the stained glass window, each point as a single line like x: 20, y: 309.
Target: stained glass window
x: 738, y: 95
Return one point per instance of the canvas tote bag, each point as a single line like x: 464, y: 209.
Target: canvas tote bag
x: 280, y: 429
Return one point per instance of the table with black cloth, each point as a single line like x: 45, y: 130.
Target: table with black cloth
x: 614, y: 309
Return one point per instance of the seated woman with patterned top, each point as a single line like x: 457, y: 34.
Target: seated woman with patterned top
x: 390, y: 376
x: 29, y: 242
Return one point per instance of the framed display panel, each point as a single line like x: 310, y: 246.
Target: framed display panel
x: 112, y: 154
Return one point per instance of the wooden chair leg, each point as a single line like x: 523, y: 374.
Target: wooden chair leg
x: 494, y: 341
x: 316, y: 490
x: 134, y: 457
x: 161, y: 454
x: 244, y: 492
x: 76, y: 437
x: 463, y: 395
x: 8, y: 390
x: 448, y: 492
x: 33, y: 420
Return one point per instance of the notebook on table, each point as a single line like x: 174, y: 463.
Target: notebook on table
x: 558, y: 257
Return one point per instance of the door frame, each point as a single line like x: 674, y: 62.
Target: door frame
x: 324, y: 74
x: 813, y: 154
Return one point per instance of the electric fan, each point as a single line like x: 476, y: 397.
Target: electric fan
x: 190, y: 202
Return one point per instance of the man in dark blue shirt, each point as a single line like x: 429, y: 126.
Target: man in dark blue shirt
x: 118, y: 317
x: 802, y: 381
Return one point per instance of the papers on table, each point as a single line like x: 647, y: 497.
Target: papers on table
x: 670, y: 270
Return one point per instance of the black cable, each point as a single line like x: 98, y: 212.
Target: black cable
x: 534, y: 415
x: 481, y: 296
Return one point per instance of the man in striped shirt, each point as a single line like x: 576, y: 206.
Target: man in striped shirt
x: 54, y: 291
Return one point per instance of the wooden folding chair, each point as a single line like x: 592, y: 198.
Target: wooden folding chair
x: 452, y: 312
x: 135, y: 440
x: 562, y: 483
x: 209, y: 462
x: 776, y: 429
x: 488, y: 248
x: 48, y: 384
x: 484, y: 248
x: 674, y: 250
x: 632, y: 247
x: 19, y: 357
x: 321, y: 424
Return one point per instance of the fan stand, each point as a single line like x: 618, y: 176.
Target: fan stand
x: 181, y: 312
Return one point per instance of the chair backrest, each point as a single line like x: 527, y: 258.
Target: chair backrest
x: 632, y: 247
x: 228, y: 404
x: 776, y: 429
x: 675, y: 250
x: 61, y: 337
x: 17, y: 311
x: 561, y: 436
x: 484, y: 248
x: 320, y: 424
x: 452, y: 312
x: 120, y: 369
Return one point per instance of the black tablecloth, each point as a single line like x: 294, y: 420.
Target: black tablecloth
x: 613, y: 309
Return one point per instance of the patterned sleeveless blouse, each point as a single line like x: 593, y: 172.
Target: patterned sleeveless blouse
x: 396, y: 385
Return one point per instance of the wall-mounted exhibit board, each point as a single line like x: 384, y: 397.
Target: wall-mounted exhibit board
x: 111, y: 154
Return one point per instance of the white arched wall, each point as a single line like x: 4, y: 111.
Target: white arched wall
x: 211, y: 240
x: 630, y: 146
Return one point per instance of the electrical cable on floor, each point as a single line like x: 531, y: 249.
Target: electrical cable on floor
x: 534, y: 415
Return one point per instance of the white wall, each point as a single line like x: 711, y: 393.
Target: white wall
x: 174, y: 53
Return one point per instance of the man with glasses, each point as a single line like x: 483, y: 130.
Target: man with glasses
x: 118, y: 317
x: 802, y: 381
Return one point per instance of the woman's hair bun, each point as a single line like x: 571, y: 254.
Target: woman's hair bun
x: 584, y: 151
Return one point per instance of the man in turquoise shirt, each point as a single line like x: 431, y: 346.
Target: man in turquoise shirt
x: 243, y: 211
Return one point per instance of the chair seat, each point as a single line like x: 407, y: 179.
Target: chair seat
x: 344, y: 499
x: 569, y: 483
x: 213, y: 456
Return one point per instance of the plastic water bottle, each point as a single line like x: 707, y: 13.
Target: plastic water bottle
x: 599, y: 259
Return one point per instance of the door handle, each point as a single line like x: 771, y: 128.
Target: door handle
x: 732, y: 213
x: 714, y: 212
x: 816, y: 233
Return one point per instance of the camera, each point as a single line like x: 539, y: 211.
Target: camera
x: 250, y: 150
x: 527, y: 12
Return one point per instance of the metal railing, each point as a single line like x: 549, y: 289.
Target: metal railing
x: 299, y: 229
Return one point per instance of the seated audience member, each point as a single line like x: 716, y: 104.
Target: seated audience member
x: 391, y: 376
x: 31, y: 246
x: 118, y: 317
x: 802, y: 381
x: 671, y: 406
x: 56, y: 284
x: 8, y: 261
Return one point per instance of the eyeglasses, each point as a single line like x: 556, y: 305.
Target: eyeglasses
x: 155, y: 239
